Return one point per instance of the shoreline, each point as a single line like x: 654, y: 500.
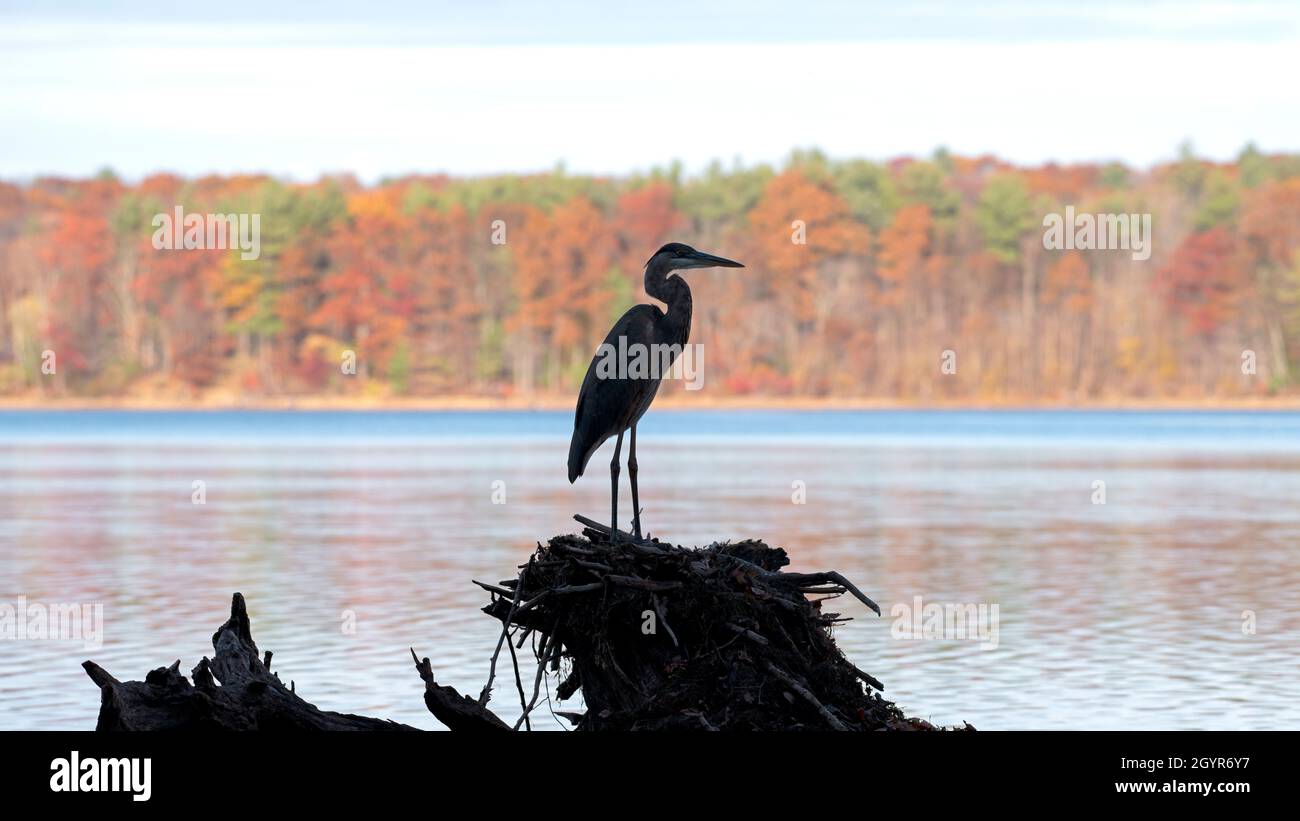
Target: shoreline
x: 675, y: 403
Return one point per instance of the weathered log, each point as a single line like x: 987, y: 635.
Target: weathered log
x: 249, y: 695
x: 458, y: 712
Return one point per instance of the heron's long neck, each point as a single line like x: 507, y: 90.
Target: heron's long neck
x: 676, y: 294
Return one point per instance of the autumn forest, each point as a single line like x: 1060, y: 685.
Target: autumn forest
x: 863, y: 279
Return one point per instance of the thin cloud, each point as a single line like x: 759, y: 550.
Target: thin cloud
x: 306, y: 99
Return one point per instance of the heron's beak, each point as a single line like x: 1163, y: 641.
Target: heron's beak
x: 699, y: 259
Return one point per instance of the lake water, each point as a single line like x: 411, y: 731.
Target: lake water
x: 1175, y: 604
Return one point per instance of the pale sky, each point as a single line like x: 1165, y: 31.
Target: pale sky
x: 484, y: 87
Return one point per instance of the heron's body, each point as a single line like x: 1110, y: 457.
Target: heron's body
x: 609, y: 405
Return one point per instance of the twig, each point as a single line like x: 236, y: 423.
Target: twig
x: 573, y: 588
x: 642, y: 584
x: 868, y: 678
x: 662, y: 612
x: 790, y: 682
x: 537, y: 687
x: 749, y: 634
x: 492, y: 588
x: 834, y: 577
x: 640, y: 545
x: 519, y: 683
x: 802, y: 580
x: 515, y: 596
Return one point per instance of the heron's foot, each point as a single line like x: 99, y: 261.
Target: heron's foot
x: 636, y: 525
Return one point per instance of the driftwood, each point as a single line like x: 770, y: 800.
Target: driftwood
x: 658, y: 636
x: 654, y: 635
x: 250, y: 696
x: 458, y: 712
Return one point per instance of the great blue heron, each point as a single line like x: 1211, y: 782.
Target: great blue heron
x: 613, y: 399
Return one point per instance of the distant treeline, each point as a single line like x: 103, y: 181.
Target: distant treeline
x: 912, y: 279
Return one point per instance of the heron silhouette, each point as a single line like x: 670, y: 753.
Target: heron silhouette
x: 613, y: 399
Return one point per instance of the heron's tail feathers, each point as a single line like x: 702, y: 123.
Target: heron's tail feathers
x: 577, y: 459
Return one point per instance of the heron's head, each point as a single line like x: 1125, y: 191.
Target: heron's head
x: 675, y: 256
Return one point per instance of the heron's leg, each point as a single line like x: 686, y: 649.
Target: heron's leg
x: 631, y: 474
x: 613, y: 490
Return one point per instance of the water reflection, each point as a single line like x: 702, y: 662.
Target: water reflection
x: 1127, y: 614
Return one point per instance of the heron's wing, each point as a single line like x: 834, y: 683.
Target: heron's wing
x: 607, y: 406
